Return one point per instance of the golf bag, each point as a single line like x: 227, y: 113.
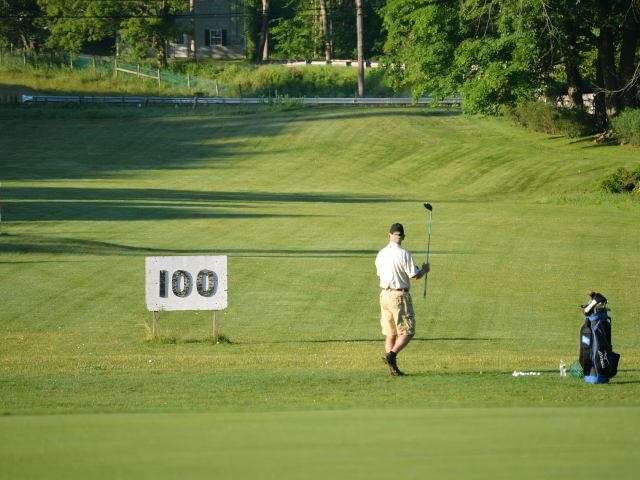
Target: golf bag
x: 599, y: 361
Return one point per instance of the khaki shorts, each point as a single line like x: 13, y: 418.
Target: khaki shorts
x: 396, y: 313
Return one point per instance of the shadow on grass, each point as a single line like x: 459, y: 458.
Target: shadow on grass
x: 69, y: 246
x: 588, y: 141
x: 174, y: 340
x: 456, y: 339
x: 618, y: 379
x: 98, y: 143
x: 49, y: 245
x: 371, y: 340
x: 383, y: 111
x: 91, y: 204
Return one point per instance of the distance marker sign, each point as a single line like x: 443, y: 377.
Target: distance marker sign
x: 186, y: 283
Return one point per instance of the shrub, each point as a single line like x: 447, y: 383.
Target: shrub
x: 627, y: 127
x: 206, y: 78
x: 621, y: 181
x: 311, y: 81
x: 547, y: 118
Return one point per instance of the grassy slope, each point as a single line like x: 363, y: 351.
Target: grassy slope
x: 19, y: 81
x: 300, y: 201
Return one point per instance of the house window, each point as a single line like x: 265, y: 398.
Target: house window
x: 215, y: 37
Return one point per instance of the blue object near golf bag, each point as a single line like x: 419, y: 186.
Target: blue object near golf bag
x: 599, y: 361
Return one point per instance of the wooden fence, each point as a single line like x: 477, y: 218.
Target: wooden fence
x: 137, y: 72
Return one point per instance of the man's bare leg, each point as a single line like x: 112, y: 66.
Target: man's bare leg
x: 393, y: 345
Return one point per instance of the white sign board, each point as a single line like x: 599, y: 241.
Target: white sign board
x: 186, y: 283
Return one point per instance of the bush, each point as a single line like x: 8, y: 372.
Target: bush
x: 311, y: 81
x: 547, y: 118
x: 621, y: 181
x: 627, y: 127
x: 206, y: 78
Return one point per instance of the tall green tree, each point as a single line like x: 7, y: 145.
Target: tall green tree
x: 252, y: 27
x: 596, y: 43
x: 142, y: 26
x: 503, y: 60
x: 298, y: 31
x: 19, y: 25
x: 617, y: 32
x: 295, y: 36
x: 342, y: 27
x: 629, y: 62
x: 422, y: 36
x: 568, y: 41
x: 325, y: 29
x: 503, y: 52
x: 147, y: 26
x: 71, y: 23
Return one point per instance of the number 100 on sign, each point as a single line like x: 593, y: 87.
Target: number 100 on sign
x: 186, y: 283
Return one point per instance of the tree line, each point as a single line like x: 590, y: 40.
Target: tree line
x: 493, y: 52
x: 504, y: 52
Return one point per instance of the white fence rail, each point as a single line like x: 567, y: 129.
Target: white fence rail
x: 196, y: 101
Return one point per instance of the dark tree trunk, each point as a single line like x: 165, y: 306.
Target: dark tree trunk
x: 628, y: 64
x: 360, y: 48
x: 607, y: 81
x: 325, y: 30
x: 574, y: 78
x: 263, y: 47
x: 600, y: 105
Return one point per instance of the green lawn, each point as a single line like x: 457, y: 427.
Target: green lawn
x: 300, y: 201
x: 483, y: 443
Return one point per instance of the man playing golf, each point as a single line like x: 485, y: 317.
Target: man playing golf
x: 396, y: 268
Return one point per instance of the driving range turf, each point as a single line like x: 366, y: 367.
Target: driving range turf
x: 300, y: 201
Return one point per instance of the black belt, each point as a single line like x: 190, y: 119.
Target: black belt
x: 398, y: 289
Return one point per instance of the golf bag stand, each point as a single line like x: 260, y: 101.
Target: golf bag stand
x: 597, y: 358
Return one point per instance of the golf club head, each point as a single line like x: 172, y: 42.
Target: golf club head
x: 428, y: 206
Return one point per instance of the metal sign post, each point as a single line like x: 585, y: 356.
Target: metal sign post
x: 155, y: 330
x: 216, y: 329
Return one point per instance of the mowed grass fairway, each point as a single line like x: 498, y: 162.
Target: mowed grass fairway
x: 300, y: 201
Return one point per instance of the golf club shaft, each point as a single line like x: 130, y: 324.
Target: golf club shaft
x: 428, y: 250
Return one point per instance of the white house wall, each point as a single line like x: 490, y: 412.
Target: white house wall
x: 223, y: 16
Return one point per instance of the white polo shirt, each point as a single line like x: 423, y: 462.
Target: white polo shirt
x: 395, y: 267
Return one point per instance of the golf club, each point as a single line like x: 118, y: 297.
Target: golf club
x: 428, y: 206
